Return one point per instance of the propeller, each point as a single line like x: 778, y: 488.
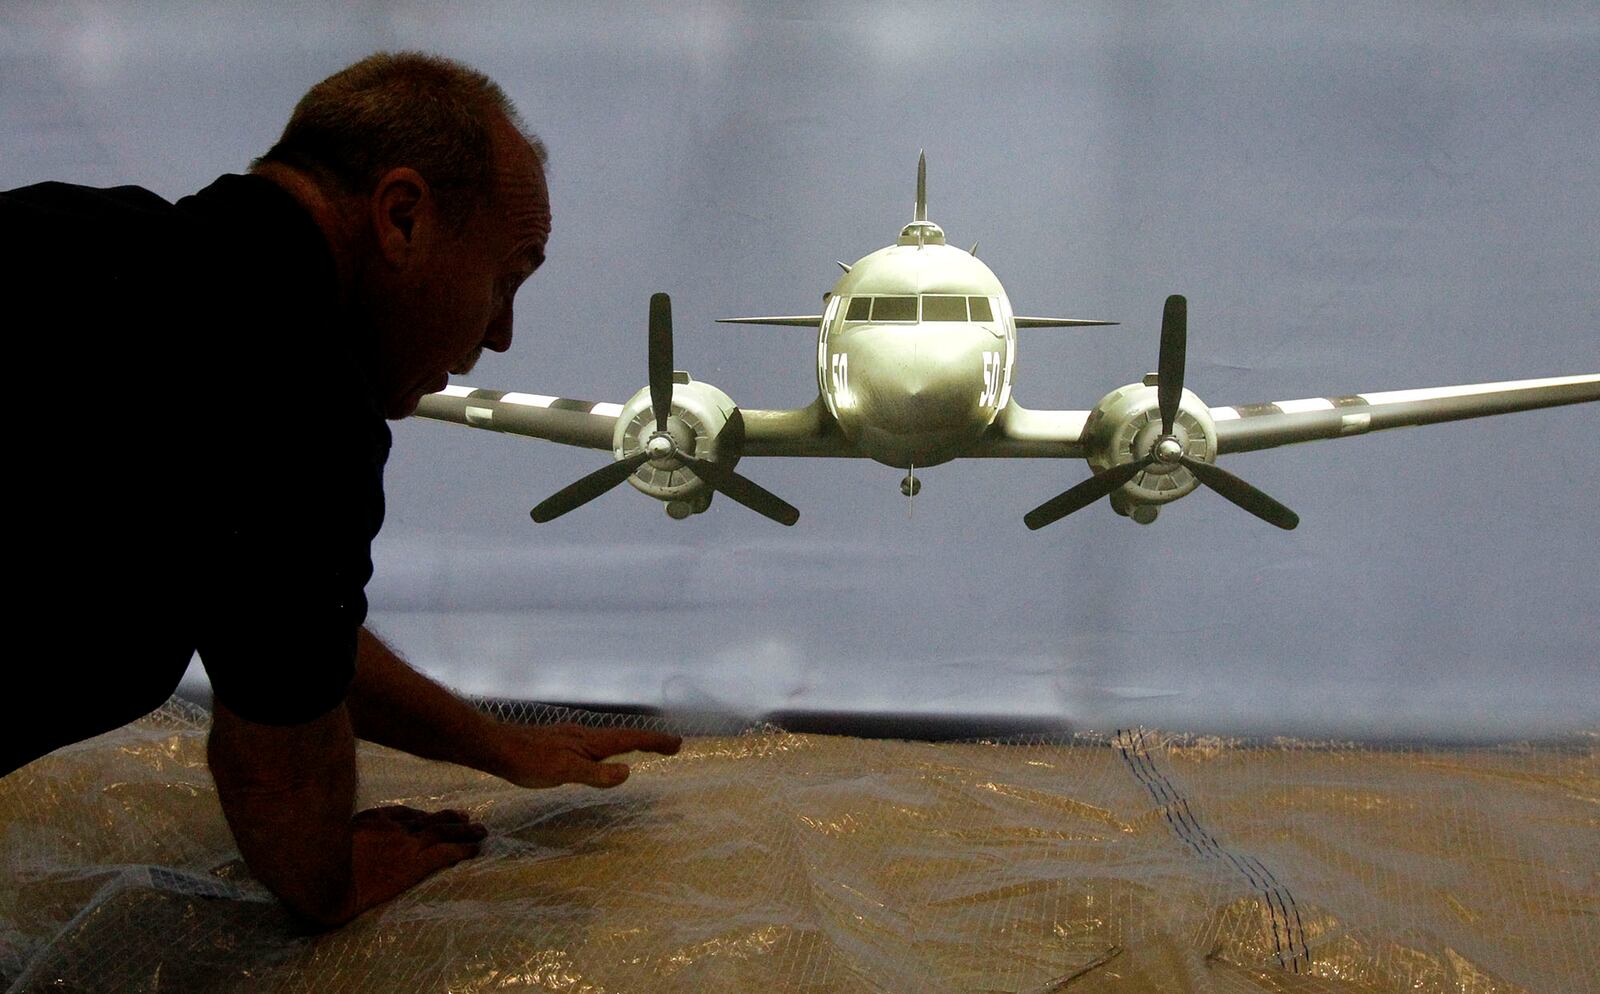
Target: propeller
x: 1167, y: 448
x: 661, y: 444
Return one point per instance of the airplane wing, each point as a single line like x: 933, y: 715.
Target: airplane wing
x: 1022, y: 322
x: 1244, y: 428
x: 804, y: 431
x: 583, y: 423
x: 1248, y: 427
x: 1018, y: 432
x: 794, y: 320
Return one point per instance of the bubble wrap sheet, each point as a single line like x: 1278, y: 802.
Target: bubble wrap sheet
x: 777, y: 862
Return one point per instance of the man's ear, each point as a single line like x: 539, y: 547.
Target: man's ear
x: 404, y: 217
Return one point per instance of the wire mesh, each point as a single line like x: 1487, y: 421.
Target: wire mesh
x: 767, y: 860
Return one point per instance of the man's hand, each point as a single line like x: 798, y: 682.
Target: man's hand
x: 287, y: 793
x: 392, y: 704
x: 551, y: 755
x: 395, y: 847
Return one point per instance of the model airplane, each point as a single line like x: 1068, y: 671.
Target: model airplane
x: 915, y: 350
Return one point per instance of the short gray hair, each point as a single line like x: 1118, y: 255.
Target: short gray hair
x: 401, y: 109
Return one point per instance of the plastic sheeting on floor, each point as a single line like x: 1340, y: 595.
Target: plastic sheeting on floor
x: 777, y: 862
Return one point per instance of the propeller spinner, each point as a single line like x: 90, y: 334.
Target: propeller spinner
x: 661, y: 446
x: 1167, y: 448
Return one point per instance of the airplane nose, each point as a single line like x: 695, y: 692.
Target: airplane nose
x: 912, y: 384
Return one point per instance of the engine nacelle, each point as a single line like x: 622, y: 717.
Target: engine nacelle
x: 1126, y: 424
x: 699, y: 413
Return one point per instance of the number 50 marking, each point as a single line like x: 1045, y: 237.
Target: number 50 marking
x: 993, y: 374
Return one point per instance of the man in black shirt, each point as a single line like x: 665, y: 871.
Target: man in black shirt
x: 184, y: 497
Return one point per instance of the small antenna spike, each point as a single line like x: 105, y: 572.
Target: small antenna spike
x: 842, y: 265
x: 922, y: 186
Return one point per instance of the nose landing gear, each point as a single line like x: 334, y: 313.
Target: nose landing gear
x: 910, y: 487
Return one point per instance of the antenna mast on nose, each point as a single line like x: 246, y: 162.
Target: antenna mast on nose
x: 921, y: 231
x: 922, y: 186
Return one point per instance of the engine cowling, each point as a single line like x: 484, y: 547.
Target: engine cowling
x: 1126, y: 424
x: 700, y: 412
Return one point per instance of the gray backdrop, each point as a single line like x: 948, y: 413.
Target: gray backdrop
x: 1356, y: 199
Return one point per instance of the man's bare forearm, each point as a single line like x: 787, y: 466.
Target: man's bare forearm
x: 287, y: 793
x: 392, y: 704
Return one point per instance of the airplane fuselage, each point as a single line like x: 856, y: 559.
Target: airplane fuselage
x: 915, y: 350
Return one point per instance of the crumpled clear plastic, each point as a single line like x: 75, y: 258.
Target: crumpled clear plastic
x: 770, y: 861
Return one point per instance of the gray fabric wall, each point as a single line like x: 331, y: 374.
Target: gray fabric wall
x: 1357, y: 199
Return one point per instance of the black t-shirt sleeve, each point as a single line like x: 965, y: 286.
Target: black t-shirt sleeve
x: 288, y: 562
x: 290, y: 463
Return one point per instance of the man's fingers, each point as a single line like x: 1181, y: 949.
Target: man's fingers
x: 453, y: 831
x: 657, y: 742
x: 391, y: 812
x: 429, y: 828
x: 571, y: 766
x: 401, y: 814
x: 550, y: 755
x: 442, y: 854
x: 603, y: 742
x: 595, y: 774
x: 602, y: 774
x: 389, y: 857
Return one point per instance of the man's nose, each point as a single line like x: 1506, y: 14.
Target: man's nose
x: 497, y: 337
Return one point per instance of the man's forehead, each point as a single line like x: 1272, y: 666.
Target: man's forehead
x: 524, y: 199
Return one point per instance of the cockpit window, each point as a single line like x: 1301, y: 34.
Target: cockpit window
x: 941, y: 308
x: 935, y: 307
x: 894, y: 308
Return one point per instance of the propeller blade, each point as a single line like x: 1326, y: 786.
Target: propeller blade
x: 751, y: 495
x: 1242, y: 494
x: 588, y: 488
x: 1084, y: 494
x: 1169, y: 365
x: 660, y: 358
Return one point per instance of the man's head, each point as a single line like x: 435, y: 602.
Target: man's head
x: 438, y: 210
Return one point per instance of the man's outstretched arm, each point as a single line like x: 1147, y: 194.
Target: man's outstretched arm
x: 288, y: 791
x: 392, y: 704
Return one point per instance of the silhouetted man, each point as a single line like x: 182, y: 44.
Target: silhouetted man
x: 209, y: 478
